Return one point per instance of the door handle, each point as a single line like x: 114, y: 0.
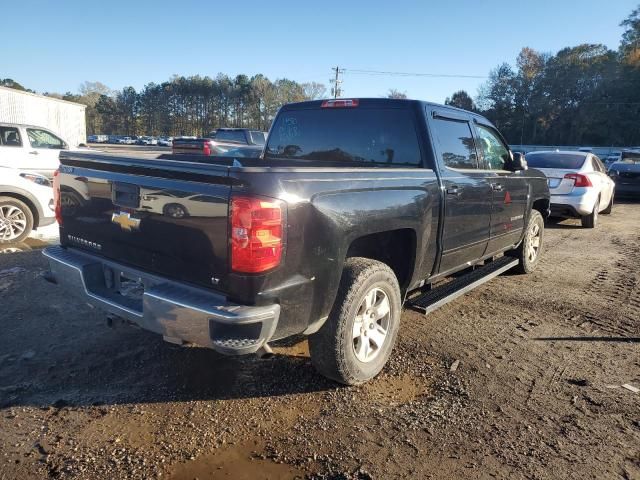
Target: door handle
x: 453, y: 191
x: 497, y: 187
x: 34, y: 152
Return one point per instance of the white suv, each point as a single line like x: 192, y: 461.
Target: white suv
x: 26, y: 203
x: 30, y: 148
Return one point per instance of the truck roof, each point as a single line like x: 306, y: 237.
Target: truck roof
x: 379, y: 102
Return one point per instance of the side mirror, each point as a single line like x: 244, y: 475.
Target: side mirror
x: 518, y: 162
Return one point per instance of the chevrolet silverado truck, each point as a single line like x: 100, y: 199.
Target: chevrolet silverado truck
x: 357, y: 208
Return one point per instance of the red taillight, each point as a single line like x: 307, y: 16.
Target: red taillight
x: 206, y: 148
x: 56, y: 197
x: 579, y: 180
x: 340, y: 103
x: 256, y: 234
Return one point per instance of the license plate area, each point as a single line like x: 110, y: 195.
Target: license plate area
x: 125, y: 195
x: 128, y: 287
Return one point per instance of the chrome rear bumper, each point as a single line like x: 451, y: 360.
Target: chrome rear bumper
x: 179, y: 312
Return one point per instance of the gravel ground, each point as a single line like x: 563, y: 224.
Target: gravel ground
x: 522, y: 378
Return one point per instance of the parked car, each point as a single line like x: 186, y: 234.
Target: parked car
x: 26, y: 203
x: 357, y: 207
x: 612, y: 158
x: 626, y: 173
x: 31, y: 148
x: 220, y: 142
x: 165, y: 141
x: 98, y: 138
x: 126, y: 141
x: 578, y: 183
x: 146, y: 141
x: 196, y: 146
x: 239, y: 136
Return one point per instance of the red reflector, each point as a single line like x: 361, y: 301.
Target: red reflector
x: 579, y: 180
x: 339, y: 103
x: 56, y: 197
x: 256, y: 234
x: 206, y: 149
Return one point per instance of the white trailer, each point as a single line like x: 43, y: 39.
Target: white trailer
x: 66, y: 119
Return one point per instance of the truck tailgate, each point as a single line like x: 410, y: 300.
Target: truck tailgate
x: 166, y: 217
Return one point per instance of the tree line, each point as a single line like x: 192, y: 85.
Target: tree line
x: 582, y: 95
x: 189, y: 105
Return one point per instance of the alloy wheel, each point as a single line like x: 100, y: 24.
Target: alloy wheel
x: 371, y: 325
x: 535, y: 238
x: 13, y: 222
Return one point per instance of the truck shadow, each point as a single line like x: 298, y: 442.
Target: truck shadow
x: 119, y: 367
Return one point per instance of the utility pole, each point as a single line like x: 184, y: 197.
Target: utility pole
x: 336, y: 90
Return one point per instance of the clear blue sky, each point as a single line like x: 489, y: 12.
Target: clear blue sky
x: 55, y: 46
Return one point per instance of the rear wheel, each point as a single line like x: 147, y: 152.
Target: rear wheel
x: 175, y: 210
x: 356, y: 341
x: 530, y: 249
x: 607, y: 210
x: 16, y: 220
x: 591, y: 220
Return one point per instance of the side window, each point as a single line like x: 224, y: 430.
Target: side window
x: 43, y: 139
x: 10, y: 137
x: 496, y: 153
x: 457, y: 147
x: 597, y: 163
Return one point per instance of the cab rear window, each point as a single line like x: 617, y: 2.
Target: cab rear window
x: 354, y: 136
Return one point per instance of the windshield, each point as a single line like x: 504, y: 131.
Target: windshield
x: 230, y: 136
x: 565, y: 161
x: 630, y: 157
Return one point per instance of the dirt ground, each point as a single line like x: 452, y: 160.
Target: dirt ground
x: 537, y: 393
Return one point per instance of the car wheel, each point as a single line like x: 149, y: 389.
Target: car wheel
x: 530, y: 249
x: 609, y: 208
x: 175, y: 210
x: 356, y: 341
x: 16, y: 220
x: 591, y: 220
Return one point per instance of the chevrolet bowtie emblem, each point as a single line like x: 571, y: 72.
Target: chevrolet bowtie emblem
x: 125, y: 221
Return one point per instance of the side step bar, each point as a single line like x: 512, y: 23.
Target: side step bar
x: 437, y: 297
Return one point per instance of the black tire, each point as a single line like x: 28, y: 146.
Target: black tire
x: 591, y: 220
x: 332, y: 348
x: 175, y: 210
x: 607, y: 211
x: 534, y: 229
x: 7, y: 203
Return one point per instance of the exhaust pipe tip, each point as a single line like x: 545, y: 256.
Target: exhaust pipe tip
x: 264, y: 352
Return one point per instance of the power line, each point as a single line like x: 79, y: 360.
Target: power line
x: 408, y: 74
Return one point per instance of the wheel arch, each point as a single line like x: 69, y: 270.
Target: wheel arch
x: 395, y: 248
x: 27, y: 199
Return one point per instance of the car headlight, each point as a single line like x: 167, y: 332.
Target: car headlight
x: 35, y: 178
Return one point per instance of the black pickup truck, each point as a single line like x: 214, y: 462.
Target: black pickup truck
x: 356, y: 208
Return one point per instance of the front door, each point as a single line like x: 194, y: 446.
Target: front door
x: 467, y: 193
x: 510, y: 190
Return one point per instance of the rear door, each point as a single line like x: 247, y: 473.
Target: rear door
x: 468, y: 194
x: 510, y: 190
